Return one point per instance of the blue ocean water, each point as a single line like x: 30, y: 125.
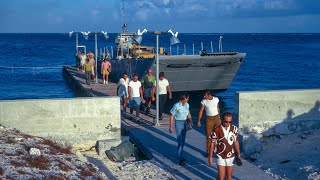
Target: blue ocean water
x: 273, y: 62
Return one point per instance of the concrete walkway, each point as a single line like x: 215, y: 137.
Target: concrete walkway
x: 158, y: 143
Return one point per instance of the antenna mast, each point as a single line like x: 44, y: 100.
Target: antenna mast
x: 124, y: 25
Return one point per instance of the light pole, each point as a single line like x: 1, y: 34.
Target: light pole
x: 96, y: 50
x: 173, y: 40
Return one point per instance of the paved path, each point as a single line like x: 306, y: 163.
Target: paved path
x: 158, y: 143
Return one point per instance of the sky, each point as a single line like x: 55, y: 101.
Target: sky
x: 186, y: 16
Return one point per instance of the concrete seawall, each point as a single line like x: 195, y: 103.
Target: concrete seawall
x: 273, y: 113
x: 75, y: 85
x: 79, y: 121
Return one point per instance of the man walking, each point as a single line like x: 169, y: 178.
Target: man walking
x: 181, y: 114
x: 211, y: 105
x: 164, y: 88
x: 147, y: 83
x: 135, y: 95
x: 105, y: 70
x: 122, y: 90
x: 88, y: 69
x: 225, y: 137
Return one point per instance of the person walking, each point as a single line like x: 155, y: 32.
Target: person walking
x: 122, y: 90
x: 164, y: 88
x: 181, y: 114
x: 225, y: 137
x: 147, y: 84
x: 88, y: 69
x: 93, y: 62
x: 78, y: 60
x: 135, y: 95
x: 211, y: 105
x: 83, y: 58
x: 105, y: 70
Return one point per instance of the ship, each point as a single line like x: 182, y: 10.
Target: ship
x: 185, y: 72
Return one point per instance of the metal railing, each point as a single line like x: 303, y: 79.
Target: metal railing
x: 12, y: 68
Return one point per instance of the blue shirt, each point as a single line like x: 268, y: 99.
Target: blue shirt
x: 180, y: 111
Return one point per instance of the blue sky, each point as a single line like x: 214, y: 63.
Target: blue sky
x: 191, y: 16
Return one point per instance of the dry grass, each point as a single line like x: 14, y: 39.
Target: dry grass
x: 56, y: 177
x: 38, y: 162
x: 18, y: 164
x: 9, y: 141
x: 55, y: 148
x: 22, y: 172
x: 63, y: 166
x: 84, y: 172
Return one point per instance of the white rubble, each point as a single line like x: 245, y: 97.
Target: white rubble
x: 27, y: 157
x: 34, y: 152
x: 294, y: 156
x: 128, y: 170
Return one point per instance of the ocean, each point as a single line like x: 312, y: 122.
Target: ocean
x: 30, y: 66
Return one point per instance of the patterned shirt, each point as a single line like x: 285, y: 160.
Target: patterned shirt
x: 224, y: 139
x: 180, y: 111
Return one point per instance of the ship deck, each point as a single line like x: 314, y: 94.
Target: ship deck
x: 156, y: 141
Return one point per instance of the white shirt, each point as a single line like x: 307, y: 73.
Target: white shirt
x: 123, y: 84
x: 162, y: 86
x: 211, y: 106
x: 135, y: 88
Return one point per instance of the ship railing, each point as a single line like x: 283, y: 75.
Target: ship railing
x: 184, y: 49
x: 34, y: 69
x: 179, y: 49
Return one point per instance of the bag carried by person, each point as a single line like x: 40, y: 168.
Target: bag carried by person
x: 92, y: 77
x: 189, y: 125
x: 237, y: 161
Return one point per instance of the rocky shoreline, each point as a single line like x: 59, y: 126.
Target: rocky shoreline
x: 23, y: 156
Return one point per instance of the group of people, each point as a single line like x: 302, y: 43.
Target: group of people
x: 143, y: 91
x: 221, y: 136
x: 86, y: 64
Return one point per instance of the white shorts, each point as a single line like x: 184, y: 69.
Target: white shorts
x: 225, y: 162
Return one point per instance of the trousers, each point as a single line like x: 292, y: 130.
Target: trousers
x: 162, y: 102
x: 211, y: 123
x: 181, y: 131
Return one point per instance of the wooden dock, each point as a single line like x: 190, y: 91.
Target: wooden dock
x: 156, y: 141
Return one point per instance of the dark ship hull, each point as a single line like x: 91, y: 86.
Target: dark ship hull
x: 212, y: 71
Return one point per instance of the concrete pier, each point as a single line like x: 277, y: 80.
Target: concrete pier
x: 157, y: 143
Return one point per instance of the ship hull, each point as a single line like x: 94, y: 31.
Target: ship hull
x: 186, y: 72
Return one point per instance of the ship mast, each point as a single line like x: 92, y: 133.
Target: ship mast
x: 124, y: 25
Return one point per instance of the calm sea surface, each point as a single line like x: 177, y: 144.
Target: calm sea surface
x: 273, y: 62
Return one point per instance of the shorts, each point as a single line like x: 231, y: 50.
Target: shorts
x: 225, y: 162
x: 135, y: 102
x: 105, y: 72
x: 147, y: 92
